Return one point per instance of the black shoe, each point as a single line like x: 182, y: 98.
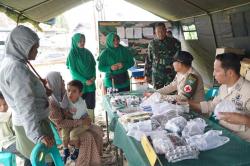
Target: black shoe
x: 75, y: 154
x: 65, y: 156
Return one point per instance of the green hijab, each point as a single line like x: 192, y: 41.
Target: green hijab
x: 122, y: 51
x: 110, y: 40
x: 81, y: 59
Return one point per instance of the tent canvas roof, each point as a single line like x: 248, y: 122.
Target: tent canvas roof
x: 180, y: 9
x: 43, y: 10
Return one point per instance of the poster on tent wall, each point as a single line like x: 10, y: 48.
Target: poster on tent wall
x: 133, y: 34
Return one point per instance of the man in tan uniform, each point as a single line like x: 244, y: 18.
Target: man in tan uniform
x: 188, y: 82
x: 234, y: 88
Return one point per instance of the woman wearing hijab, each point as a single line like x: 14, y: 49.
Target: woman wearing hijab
x: 114, y: 61
x: 24, y: 92
x: 90, y: 141
x: 81, y: 64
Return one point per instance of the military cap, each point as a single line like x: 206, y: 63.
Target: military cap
x: 184, y: 57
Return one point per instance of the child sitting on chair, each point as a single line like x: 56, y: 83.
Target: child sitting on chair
x: 7, y: 135
x: 75, y: 108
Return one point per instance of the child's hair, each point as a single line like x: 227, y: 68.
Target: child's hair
x: 77, y: 84
x: 1, y: 96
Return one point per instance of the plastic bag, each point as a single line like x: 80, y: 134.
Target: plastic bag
x: 176, y: 125
x: 142, y: 126
x: 136, y: 134
x: 173, y: 146
x: 210, y: 140
x: 164, y: 142
x: 161, y: 108
x: 224, y: 106
x: 183, y: 106
x: 182, y: 153
x: 154, y: 98
x: 137, y: 130
x: 162, y: 119
x: 194, y: 127
x: 155, y: 124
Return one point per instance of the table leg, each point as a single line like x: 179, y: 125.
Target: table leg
x: 107, y: 124
x: 121, y: 158
x: 117, y: 156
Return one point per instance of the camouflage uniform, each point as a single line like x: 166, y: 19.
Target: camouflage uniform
x: 240, y: 96
x: 158, y: 65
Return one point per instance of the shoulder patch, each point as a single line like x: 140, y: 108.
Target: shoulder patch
x: 187, y: 88
x: 190, y: 85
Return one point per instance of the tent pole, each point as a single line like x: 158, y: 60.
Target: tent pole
x: 213, y: 30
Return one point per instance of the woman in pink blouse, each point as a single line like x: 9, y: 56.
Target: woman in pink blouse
x: 91, y: 141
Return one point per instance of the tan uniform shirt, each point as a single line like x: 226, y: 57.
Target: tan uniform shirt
x: 178, y: 85
x: 240, y: 96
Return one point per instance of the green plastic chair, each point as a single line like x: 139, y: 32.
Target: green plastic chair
x: 39, y: 152
x: 7, y: 159
x: 211, y: 93
x: 56, y: 134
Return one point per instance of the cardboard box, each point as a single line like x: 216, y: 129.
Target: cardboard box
x: 230, y: 50
x: 245, y: 68
x: 247, y: 77
x: 139, y: 84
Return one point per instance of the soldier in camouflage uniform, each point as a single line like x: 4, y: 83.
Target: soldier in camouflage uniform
x: 159, y: 62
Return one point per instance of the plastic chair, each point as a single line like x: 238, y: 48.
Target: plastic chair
x: 56, y: 134
x: 211, y: 93
x: 39, y: 152
x: 7, y: 159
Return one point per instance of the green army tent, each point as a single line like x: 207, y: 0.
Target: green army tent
x: 200, y: 25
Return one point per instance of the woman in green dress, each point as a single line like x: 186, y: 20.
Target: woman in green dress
x: 114, y: 61
x: 81, y: 64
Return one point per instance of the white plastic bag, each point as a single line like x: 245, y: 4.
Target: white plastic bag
x: 194, y: 127
x: 137, y: 130
x: 176, y: 125
x: 224, y: 106
x: 182, y: 153
x: 161, y: 108
x: 154, y: 98
x: 163, y: 118
x: 210, y: 140
x: 164, y: 142
x: 142, y: 126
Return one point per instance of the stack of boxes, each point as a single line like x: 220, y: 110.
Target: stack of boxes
x: 245, y: 68
x: 138, y: 82
x: 240, y: 52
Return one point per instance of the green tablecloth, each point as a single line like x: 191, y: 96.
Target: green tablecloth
x: 113, y: 117
x: 235, y: 153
